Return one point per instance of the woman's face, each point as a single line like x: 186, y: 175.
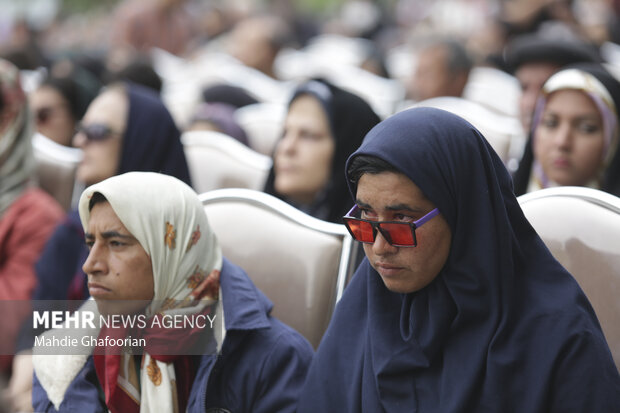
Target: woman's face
x: 390, y: 196
x: 102, y: 156
x: 52, y: 115
x: 118, y: 268
x: 303, y: 157
x: 569, y: 139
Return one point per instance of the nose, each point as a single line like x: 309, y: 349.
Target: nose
x: 287, y: 144
x: 95, y: 263
x: 381, y: 246
x: 562, y: 138
x: 79, y: 140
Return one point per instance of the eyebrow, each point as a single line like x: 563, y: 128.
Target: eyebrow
x: 109, y: 234
x: 395, y: 207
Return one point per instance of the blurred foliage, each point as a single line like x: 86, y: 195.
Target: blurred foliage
x: 318, y: 6
x: 81, y: 6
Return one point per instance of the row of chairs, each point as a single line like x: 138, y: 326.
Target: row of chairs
x: 215, y: 161
x: 303, y: 264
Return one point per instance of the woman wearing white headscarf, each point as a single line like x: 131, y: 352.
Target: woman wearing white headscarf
x: 575, y: 133
x: 28, y: 215
x: 150, y: 240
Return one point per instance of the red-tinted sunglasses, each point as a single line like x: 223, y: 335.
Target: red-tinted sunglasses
x: 396, y: 233
x: 96, y: 131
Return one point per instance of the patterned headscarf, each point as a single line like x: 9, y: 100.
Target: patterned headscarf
x: 168, y: 220
x: 166, y: 217
x: 16, y: 158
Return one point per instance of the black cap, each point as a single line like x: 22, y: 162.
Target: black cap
x: 533, y: 49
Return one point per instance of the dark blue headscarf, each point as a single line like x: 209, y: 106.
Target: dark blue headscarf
x: 502, y: 328
x: 151, y: 142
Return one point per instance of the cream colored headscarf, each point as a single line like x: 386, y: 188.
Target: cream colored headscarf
x: 168, y: 220
x: 575, y: 79
x: 16, y: 159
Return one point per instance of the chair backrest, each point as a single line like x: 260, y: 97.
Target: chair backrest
x: 300, y: 263
x: 495, y: 89
x: 56, y: 168
x: 263, y: 123
x: 581, y: 227
x: 499, y: 129
x: 217, y: 161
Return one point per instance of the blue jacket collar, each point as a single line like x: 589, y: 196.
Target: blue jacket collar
x: 245, y: 306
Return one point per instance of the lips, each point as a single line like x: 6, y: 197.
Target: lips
x: 98, y: 290
x: 285, y: 169
x: 386, y: 269
x: 561, y: 163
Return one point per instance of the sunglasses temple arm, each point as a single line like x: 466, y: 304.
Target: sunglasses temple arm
x: 426, y: 217
x: 352, y: 211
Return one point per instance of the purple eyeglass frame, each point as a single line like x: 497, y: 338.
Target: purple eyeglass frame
x: 375, y: 225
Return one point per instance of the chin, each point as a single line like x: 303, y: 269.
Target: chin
x: 400, y: 288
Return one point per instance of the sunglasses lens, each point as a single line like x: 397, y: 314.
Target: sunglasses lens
x: 397, y: 234
x: 361, y: 231
x: 95, y: 132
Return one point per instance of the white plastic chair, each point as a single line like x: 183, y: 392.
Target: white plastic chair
x: 500, y: 130
x: 263, y: 124
x: 217, y: 161
x: 56, y: 169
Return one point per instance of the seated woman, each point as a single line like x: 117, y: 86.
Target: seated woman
x: 459, y: 306
x: 150, y: 240
x: 58, y: 104
x: 28, y: 215
x: 575, y: 134
x: 125, y: 128
x: 323, y: 126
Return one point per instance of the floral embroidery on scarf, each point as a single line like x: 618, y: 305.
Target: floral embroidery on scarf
x: 196, y: 278
x: 194, y: 238
x: 167, y: 305
x: 209, y: 288
x: 152, y: 370
x: 170, y: 236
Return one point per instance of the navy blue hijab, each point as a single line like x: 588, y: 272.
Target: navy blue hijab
x: 502, y: 328
x: 151, y: 142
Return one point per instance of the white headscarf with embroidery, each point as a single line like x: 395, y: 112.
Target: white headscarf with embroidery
x: 168, y: 220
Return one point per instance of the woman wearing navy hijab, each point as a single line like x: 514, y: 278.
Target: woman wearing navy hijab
x: 323, y: 126
x: 477, y: 316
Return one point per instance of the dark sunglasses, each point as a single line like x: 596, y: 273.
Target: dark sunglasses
x: 396, y: 233
x: 96, y: 131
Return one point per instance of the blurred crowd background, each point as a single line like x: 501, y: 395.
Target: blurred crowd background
x: 376, y: 49
x: 242, y: 68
